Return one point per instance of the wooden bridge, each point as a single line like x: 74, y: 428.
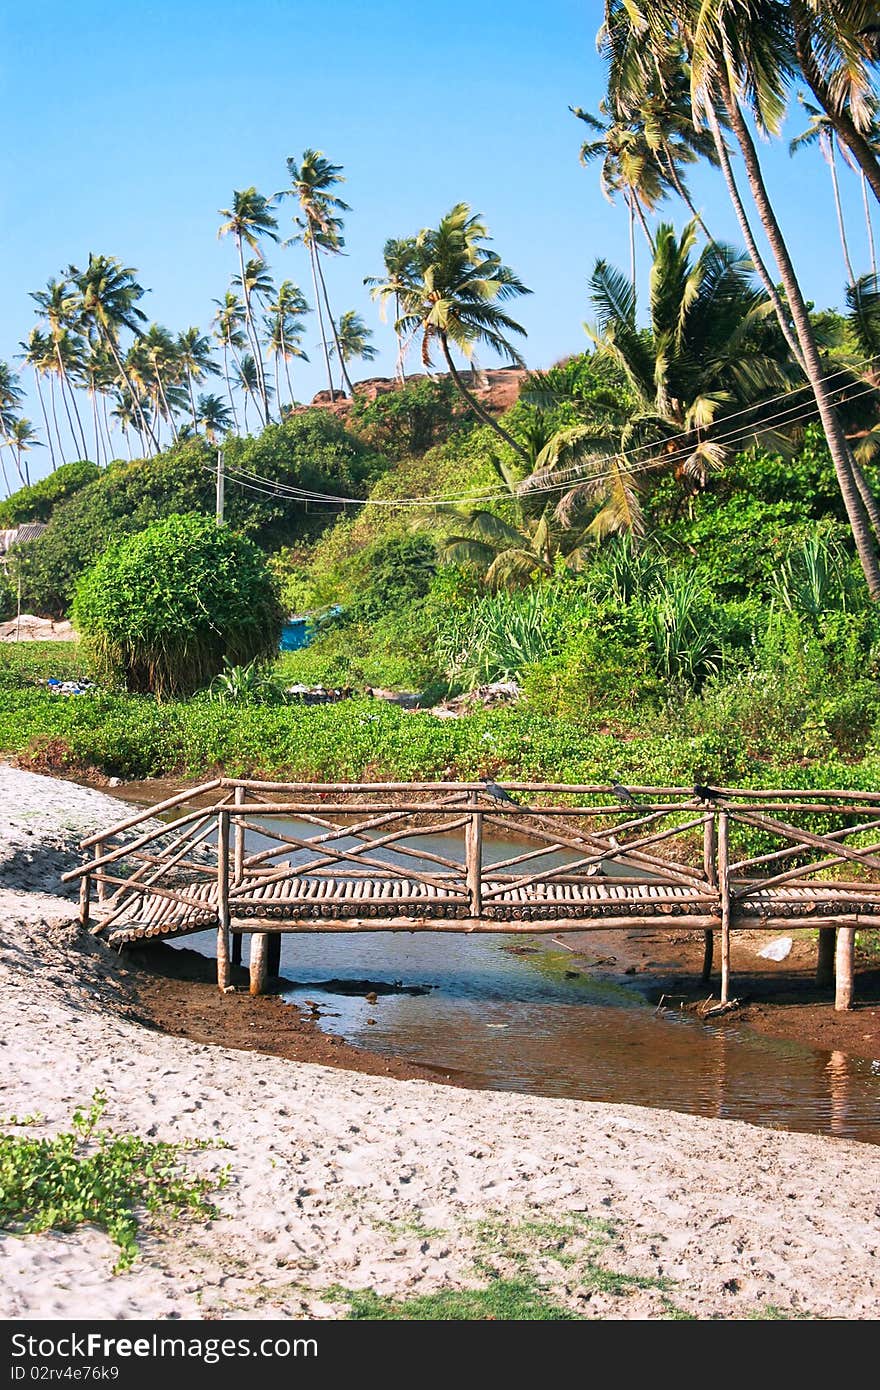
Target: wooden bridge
x: 261, y: 858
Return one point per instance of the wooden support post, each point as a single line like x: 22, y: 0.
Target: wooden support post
x: 85, y: 894
x: 259, y: 962
x: 473, y: 847
x: 844, y: 968
x: 724, y: 893
x: 223, y: 900
x: 273, y: 955
x: 825, y: 957
x: 710, y: 868
x: 102, y: 887
x: 238, y: 834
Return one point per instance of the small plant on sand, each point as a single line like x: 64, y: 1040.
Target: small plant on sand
x: 502, y: 1300
x: 90, y: 1176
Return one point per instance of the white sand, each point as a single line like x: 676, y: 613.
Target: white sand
x: 368, y: 1183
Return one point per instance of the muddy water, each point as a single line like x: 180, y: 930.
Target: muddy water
x: 510, y: 1019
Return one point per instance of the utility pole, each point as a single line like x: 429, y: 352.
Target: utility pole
x: 221, y: 480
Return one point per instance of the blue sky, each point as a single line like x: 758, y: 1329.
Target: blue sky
x: 129, y: 125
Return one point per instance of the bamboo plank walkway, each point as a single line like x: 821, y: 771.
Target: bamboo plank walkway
x: 663, y: 858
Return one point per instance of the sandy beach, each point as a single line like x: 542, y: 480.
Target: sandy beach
x: 344, y: 1181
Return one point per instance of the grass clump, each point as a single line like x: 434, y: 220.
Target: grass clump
x: 90, y: 1176
x: 502, y: 1300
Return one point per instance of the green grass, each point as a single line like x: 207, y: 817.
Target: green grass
x: 90, y: 1176
x: 503, y: 1300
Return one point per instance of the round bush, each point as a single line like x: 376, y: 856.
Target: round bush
x: 163, y: 610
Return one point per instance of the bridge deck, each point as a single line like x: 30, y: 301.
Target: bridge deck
x: 315, y: 904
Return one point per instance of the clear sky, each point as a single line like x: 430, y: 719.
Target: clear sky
x: 128, y: 125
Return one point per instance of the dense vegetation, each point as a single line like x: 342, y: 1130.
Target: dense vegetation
x: 669, y: 543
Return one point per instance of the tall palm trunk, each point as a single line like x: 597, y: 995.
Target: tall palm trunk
x: 228, y: 384
x: 144, y: 427
x: 55, y: 417
x: 627, y: 198
x: 108, y: 433
x: 313, y: 253
x: 21, y: 465
x: 168, y: 412
x: 286, y: 362
x: 5, y: 474
x: 252, y: 334
x: 841, y: 224
x: 399, y: 368
x: 837, y: 442
x: 682, y: 192
x: 192, y: 399
x: 757, y: 259
x: 45, y: 418
x: 641, y: 216
x: 94, y: 397
x: 868, y: 222
x: 475, y: 405
x: 78, y: 443
x: 346, y: 378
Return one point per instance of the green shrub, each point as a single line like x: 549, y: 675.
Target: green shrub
x: 162, y: 611
x: 36, y: 503
x: 408, y: 421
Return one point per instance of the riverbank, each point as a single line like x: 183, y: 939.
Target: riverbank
x: 343, y: 1185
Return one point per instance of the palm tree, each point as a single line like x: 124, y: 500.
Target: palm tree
x: 821, y: 132
x: 285, y: 330
x: 247, y: 380
x: 228, y: 319
x: 835, y: 44
x: 21, y: 438
x: 165, y: 358
x: 627, y: 164
x: 744, y: 52
x: 352, y: 338
x: 11, y: 396
x: 99, y: 376
x: 39, y: 355
x: 194, y: 360
x: 108, y: 297
x: 249, y: 219
x: 59, y: 308
x: 702, y: 358
x: 214, y: 416
x: 399, y: 256
x: 453, y: 300
x: 320, y: 230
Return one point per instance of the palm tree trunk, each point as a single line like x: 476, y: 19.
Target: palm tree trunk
x: 169, y: 413
x: 94, y: 397
x: 313, y: 257
x: 683, y: 193
x: 228, y: 384
x: 5, y: 474
x: 252, y: 333
x: 108, y: 433
x: 837, y: 443
x: 475, y: 404
x: 81, y: 442
x: 192, y: 399
x: 145, y: 430
x: 748, y: 236
x: 841, y: 224
x: 632, y: 240
x: 55, y: 416
x: 868, y: 222
x: 346, y: 378
x: 23, y: 472
x: 45, y: 418
x: 286, y: 371
x: 641, y: 217
x: 399, y: 371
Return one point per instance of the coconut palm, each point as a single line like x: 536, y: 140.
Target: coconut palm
x: 399, y: 256
x: 58, y: 307
x: 821, y: 132
x: 353, y: 337
x: 285, y: 329
x: 249, y: 219
x: 704, y: 356
x: 214, y: 416
x: 457, y: 286
x: 227, y: 329
x: 312, y: 182
x: 626, y: 164
x: 107, y: 303
x: 21, y: 437
x: 39, y: 355
x: 744, y: 53
x: 193, y: 352
x: 246, y: 379
x: 11, y: 396
x: 164, y: 355
x: 99, y: 376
